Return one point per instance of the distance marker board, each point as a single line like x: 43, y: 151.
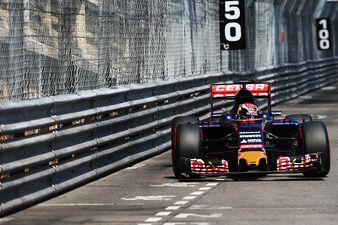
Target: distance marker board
x: 232, y: 25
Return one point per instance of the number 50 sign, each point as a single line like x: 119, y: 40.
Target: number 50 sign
x: 232, y: 24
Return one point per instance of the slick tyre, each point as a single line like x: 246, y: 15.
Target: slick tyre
x: 175, y: 123
x: 315, y: 139
x: 301, y: 118
x: 187, y: 147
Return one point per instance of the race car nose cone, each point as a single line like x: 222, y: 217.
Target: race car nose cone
x: 251, y: 160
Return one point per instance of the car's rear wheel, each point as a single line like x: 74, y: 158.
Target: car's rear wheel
x: 187, y: 147
x: 175, y: 123
x: 315, y: 139
x: 301, y: 118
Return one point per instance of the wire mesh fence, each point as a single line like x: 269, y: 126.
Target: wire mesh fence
x: 54, y: 47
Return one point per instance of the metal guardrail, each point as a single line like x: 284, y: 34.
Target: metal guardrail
x: 51, y: 145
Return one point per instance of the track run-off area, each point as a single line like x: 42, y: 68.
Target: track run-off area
x: 148, y: 193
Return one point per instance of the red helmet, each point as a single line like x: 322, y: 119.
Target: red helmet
x: 247, y: 111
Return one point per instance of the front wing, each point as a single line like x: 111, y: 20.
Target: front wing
x: 295, y: 164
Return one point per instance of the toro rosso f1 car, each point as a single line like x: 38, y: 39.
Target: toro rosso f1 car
x: 245, y: 140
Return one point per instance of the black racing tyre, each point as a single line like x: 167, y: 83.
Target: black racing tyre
x: 175, y: 123
x: 301, y: 118
x: 183, y: 120
x: 315, y: 139
x: 187, y: 147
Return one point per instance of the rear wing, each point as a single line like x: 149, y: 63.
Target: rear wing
x: 230, y: 90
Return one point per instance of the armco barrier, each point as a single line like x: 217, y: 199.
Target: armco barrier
x: 54, y: 144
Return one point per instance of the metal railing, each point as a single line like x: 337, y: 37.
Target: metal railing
x: 54, y: 144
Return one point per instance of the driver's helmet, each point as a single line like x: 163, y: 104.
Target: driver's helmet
x: 247, y: 111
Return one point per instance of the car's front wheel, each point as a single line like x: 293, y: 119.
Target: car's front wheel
x: 175, y: 123
x: 315, y: 139
x: 187, y: 147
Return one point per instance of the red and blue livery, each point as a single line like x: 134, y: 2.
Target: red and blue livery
x: 245, y: 140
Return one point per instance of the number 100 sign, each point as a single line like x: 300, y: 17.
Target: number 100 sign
x: 323, y: 33
x: 232, y: 24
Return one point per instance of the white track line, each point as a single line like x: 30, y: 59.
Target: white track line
x: 181, y: 202
x: 189, y: 197
x: 204, y: 188
x: 173, y: 207
x: 153, y: 219
x: 198, y: 193
x: 77, y: 204
x: 164, y: 213
x: 177, y: 205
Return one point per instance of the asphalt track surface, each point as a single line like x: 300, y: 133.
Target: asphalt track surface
x: 147, y: 193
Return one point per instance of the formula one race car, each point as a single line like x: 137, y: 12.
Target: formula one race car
x: 245, y: 140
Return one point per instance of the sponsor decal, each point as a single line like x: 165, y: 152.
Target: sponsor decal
x: 198, y: 166
x: 245, y: 141
x: 285, y: 123
x: 250, y: 146
x: 288, y: 164
x: 249, y: 132
x: 210, y: 125
x: 254, y: 141
x: 237, y: 87
x: 251, y: 139
x: 228, y: 90
x: 250, y: 136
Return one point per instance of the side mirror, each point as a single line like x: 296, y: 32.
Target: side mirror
x: 276, y: 113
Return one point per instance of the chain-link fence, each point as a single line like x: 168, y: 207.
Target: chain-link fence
x: 56, y: 47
